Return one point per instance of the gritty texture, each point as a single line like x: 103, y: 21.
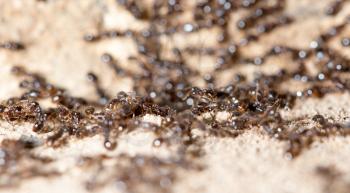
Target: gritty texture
x: 252, y: 163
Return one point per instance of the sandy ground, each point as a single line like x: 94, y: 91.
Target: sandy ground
x: 250, y: 163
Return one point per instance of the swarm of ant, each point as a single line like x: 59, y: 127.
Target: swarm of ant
x: 164, y: 88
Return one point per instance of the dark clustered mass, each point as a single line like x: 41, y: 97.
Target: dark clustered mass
x: 165, y: 88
